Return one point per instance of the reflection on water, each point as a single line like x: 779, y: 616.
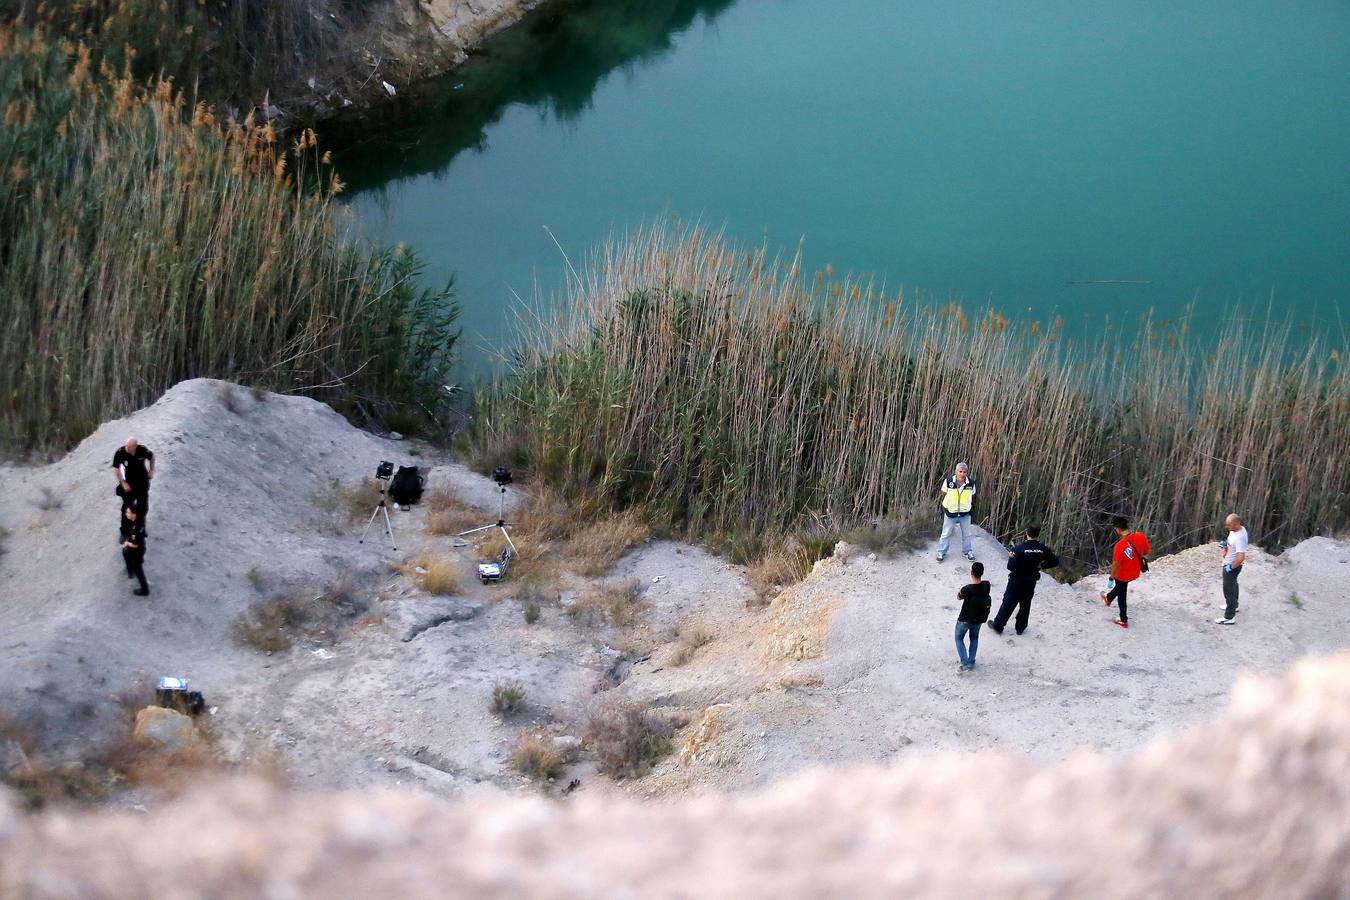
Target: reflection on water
x: 1089, y: 161
x: 551, y: 61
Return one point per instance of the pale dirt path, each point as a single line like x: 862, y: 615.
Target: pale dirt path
x: 888, y: 680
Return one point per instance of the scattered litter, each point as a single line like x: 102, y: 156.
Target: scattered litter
x: 395, y: 436
x: 419, y: 570
x: 458, y: 86
x: 389, y: 88
x: 321, y: 653
x: 656, y: 579
x: 212, y: 710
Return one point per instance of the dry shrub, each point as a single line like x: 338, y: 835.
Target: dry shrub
x: 532, y: 612
x: 508, y: 698
x: 537, y: 756
x: 598, y: 546
x: 691, y: 638
x: 901, y: 533
x: 341, y: 505
x: 122, y: 763
x: 38, y: 782
x: 625, y: 735
x: 276, y: 624
x: 614, y: 602
x: 433, y: 574
x: 783, y: 566
x: 441, y: 577
x: 447, y: 514
x: 229, y: 399
x: 47, y: 500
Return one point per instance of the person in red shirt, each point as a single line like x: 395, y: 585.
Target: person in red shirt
x: 1126, y: 564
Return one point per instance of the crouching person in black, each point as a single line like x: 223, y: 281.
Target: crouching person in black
x: 1025, y: 563
x: 133, y: 547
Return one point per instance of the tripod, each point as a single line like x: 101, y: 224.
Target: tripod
x: 500, y: 523
x: 381, y: 508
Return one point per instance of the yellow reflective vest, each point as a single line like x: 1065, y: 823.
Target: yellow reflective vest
x: 956, y: 499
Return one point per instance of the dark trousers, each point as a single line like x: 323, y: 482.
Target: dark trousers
x: 1117, y: 594
x: 1017, y: 595
x: 1230, y: 592
x: 135, y: 569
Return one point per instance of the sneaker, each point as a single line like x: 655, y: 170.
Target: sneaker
x: 1225, y: 621
x: 1122, y: 623
x: 1105, y: 599
x: 941, y: 557
x: 962, y: 669
x: 970, y: 556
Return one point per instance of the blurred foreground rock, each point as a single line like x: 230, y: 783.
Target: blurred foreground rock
x: 1255, y: 804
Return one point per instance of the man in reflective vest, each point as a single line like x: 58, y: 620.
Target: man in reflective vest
x: 958, y: 493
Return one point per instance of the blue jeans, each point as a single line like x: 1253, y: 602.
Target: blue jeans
x: 963, y: 629
x: 950, y: 524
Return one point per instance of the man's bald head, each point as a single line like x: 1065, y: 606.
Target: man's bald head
x: 130, y: 444
x: 1234, y: 521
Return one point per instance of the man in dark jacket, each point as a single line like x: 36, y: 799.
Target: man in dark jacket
x: 974, y: 612
x: 1025, y: 563
x: 133, y: 466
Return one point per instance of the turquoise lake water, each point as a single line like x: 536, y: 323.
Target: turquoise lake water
x: 983, y: 152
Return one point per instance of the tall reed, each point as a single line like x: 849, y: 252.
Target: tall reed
x: 140, y: 246
x: 732, y: 392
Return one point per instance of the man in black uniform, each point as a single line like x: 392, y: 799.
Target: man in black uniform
x: 133, y: 466
x: 1025, y: 563
x: 133, y: 547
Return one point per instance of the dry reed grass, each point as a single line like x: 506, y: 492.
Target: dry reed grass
x: 144, y: 243
x: 438, y: 574
x: 236, y: 52
x: 725, y: 393
x: 446, y: 514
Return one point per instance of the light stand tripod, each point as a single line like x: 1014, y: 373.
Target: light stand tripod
x: 494, y: 571
x: 380, y: 507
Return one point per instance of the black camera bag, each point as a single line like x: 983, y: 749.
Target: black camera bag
x: 406, y: 486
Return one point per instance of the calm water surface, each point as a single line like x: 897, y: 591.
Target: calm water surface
x: 986, y: 152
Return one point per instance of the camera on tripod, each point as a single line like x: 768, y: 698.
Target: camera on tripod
x: 403, y: 487
x: 492, y: 572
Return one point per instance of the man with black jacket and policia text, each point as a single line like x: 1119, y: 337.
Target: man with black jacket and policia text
x: 1025, y: 563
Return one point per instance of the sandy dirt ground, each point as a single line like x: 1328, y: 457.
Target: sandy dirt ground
x: 857, y: 663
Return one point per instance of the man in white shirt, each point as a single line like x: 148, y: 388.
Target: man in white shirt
x: 1234, y: 551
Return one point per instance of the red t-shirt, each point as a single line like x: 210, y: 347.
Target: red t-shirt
x: 1127, y: 553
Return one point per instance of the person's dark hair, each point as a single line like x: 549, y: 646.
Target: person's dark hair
x: 977, y: 569
x: 1033, y: 531
x: 1120, y: 522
